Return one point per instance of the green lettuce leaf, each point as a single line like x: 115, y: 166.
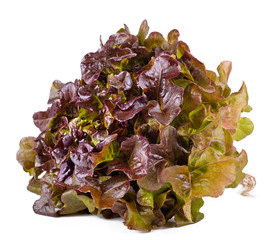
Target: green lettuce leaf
x: 244, y: 128
x: 74, y: 203
x: 26, y: 155
x: 108, y: 153
x: 212, y: 178
x: 236, y: 102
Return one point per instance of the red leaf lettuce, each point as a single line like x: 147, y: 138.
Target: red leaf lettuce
x: 145, y: 134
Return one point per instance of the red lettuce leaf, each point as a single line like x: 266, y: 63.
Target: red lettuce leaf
x: 164, y: 67
x: 106, y: 193
x: 127, y: 110
x: 136, y: 152
x: 171, y: 97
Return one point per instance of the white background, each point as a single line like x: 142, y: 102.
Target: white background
x: 45, y: 40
